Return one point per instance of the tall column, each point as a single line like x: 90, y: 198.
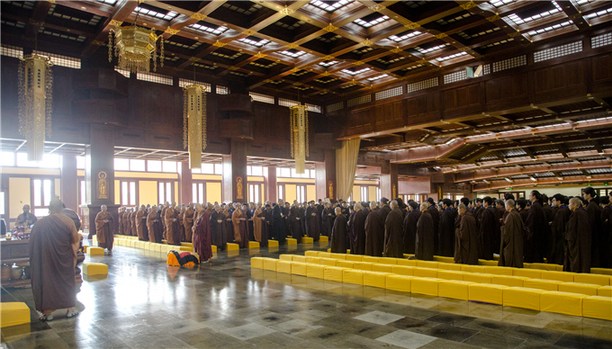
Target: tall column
x: 234, y: 172
x: 270, y: 184
x: 69, y: 182
x: 325, y: 176
x: 388, y: 181
x: 99, y: 172
x: 185, y: 183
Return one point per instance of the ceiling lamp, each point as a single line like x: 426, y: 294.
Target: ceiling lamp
x: 194, y: 123
x: 299, y: 136
x: 134, y: 48
x: 35, y: 97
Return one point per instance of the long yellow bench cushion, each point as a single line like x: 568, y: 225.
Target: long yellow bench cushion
x: 396, y: 282
x: 561, y: 302
x: 426, y: 272
x: 257, y: 263
x: 333, y: 273
x: 424, y: 285
x: 325, y: 254
x: 454, y: 289
x: 402, y: 270
x: 345, y: 264
x: 604, y: 271
x: 450, y: 275
x: 547, y: 285
x: 95, y: 269
x: 514, y: 281
x: 530, y: 273
x: 407, y: 262
x: 520, y: 297
x: 283, y: 267
x: 311, y: 253
x: 385, y: 268
x: 270, y: 264
x: 315, y: 271
x: 597, y: 307
x: 605, y: 291
x: 352, y: 276
x: 498, y: 270
x: 370, y: 259
x: 362, y: 266
x: 480, y: 278
x: 13, y: 314
x: 427, y: 264
x: 387, y: 260
x: 602, y: 280
x: 449, y: 266
x: 298, y: 268
x: 328, y: 261
x: 487, y: 293
x: 574, y: 287
x: 557, y: 275
x: 375, y: 279
x: 337, y: 255
x: 354, y: 257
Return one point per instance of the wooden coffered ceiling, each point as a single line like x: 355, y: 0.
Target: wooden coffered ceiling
x: 319, y: 50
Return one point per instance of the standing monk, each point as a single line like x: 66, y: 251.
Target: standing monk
x: 557, y: 229
x: 410, y: 225
x: 139, y: 223
x: 394, y: 242
x: 258, y: 221
x: 424, y: 244
x: 358, y: 228
x: 154, y: 225
x: 446, y: 232
x: 202, y: 236
x: 327, y: 219
x: 577, y: 239
x: 239, y: 223
x: 466, y: 238
x: 536, y: 226
x: 338, y: 236
x: 103, y: 229
x: 594, y: 212
x: 375, y: 237
x: 489, y: 226
x: 188, y: 222
x: 313, y: 225
x: 511, y: 248
x: 172, y: 233
x: 120, y: 218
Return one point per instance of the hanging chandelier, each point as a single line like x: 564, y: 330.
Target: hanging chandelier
x: 299, y: 136
x: 194, y: 123
x: 35, y: 102
x: 134, y: 48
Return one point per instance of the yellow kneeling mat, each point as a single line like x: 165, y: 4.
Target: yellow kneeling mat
x: 257, y: 263
x: 94, y: 269
x: 230, y: 246
x: 493, y: 294
x: 454, y: 289
x: 547, y: 285
x: 424, y: 285
x: 298, y: 268
x: 272, y: 243
x: 283, y: 267
x: 95, y: 251
x: 597, y: 307
x: 333, y: 273
x: 270, y: 264
x: 316, y: 271
x: 561, y: 302
x: 291, y: 241
x: 520, y: 297
x: 352, y: 276
x: 605, y: 291
x: 253, y: 244
x: 574, y: 287
x: 375, y: 279
x: 398, y: 282
x: 602, y: 280
x: 307, y: 240
x: 13, y: 314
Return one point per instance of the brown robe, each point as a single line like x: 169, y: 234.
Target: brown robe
x: 375, y: 235
x: 173, y: 234
x: 258, y: 220
x: 424, y: 245
x: 151, y: 218
x: 511, y: 248
x: 394, y: 242
x: 139, y: 224
x: 103, y: 230
x: 578, y: 243
x: 557, y: 235
x: 53, y: 244
x: 240, y: 234
x: 466, y: 240
x: 338, y: 235
x: 202, y: 237
x: 188, y: 219
x: 121, y: 224
x: 359, y: 234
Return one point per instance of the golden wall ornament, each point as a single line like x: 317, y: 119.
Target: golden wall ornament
x: 135, y: 47
x: 194, y: 123
x: 102, y: 185
x: 35, y: 102
x: 299, y: 136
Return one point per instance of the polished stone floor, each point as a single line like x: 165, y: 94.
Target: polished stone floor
x: 225, y: 304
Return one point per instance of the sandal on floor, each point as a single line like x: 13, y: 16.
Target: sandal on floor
x: 71, y: 314
x: 45, y: 318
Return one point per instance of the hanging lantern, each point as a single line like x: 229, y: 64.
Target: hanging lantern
x: 194, y: 123
x: 35, y: 103
x: 299, y: 136
x: 134, y: 48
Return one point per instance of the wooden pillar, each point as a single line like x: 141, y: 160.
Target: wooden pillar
x: 234, y: 172
x: 389, y: 181
x: 185, y: 181
x: 270, y: 184
x: 325, y: 176
x: 69, y: 182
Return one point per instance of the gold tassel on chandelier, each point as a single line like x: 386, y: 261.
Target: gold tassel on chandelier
x: 194, y: 123
x: 299, y: 136
x: 35, y: 103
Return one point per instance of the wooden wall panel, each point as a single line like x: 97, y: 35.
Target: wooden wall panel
x: 506, y: 92
x: 423, y: 108
x: 463, y: 100
x: 562, y: 81
x: 601, y: 74
x: 389, y: 115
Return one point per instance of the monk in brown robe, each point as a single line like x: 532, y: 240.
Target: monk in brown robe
x: 103, y: 229
x: 154, y: 226
x: 173, y: 234
x: 410, y: 225
x: 512, y: 239
x: 202, y: 235
x: 239, y: 224
x: 139, y: 223
x: 466, y: 238
x: 357, y: 228
x: 53, y: 246
x: 258, y: 221
x: 424, y: 244
x: 338, y: 235
x: 577, y: 239
x: 394, y: 244
x: 121, y: 223
x: 188, y: 222
x: 375, y: 236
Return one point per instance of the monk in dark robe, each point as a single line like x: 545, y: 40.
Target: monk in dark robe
x: 446, y: 232
x: 594, y: 212
x: 295, y: 222
x: 240, y: 229
x: 121, y: 222
x: 327, y: 219
x: 410, y: 225
x: 173, y: 233
x: 228, y: 228
x: 466, y: 238
x: 133, y: 221
x: 154, y: 225
x: 577, y: 239
x: 488, y: 228
x: 139, y: 223
x: 188, y: 220
x: 104, y: 221
x: 202, y: 236
x: 511, y: 248
x: 313, y: 224
x: 278, y: 225
x: 557, y: 229
x: 536, y: 227
x: 424, y: 244
x: 394, y: 242
x: 435, y: 216
x: 338, y: 236
x: 358, y: 229
x: 53, y: 246
x: 375, y: 237
x: 217, y: 227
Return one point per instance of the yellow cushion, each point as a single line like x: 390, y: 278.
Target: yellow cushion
x: 311, y: 253
x: 315, y: 271
x: 325, y: 254
x: 402, y: 270
x: 157, y: 247
x: 291, y: 241
x: 269, y: 263
x: 352, y: 276
x: 362, y: 266
x: 333, y: 273
x: 424, y: 285
x: 449, y: 266
x: 604, y: 271
x: 272, y: 243
x: 498, y: 270
x: 253, y: 244
x: 307, y: 240
x: 214, y: 248
x: 387, y: 260
x: 337, y: 255
x: 386, y: 268
x: 283, y: 267
x: 426, y: 264
x: 298, y: 268
x: 328, y: 261
x: 95, y: 251
x: 530, y: 273
x: 605, y: 291
x: 478, y: 277
x: 187, y: 244
x: 561, y: 302
x: 298, y: 258
x: 286, y: 257
x: 520, y: 297
x: 182, y: 248
x: 547, y: 285
x: 94, y: 269
x: 426, y: 272
x: 487, y: 262
x: 487, y: 293
x: 444, y: 259
x: 13, y: 314
x: 574, y: 287
x: 454, y: 289
x: 602, y: 280
x: 515, y: 281
x: 354, y: 257
x: 323, y: 240
x: 450, y: 275
x: 558, y: 275
x: 472, y: 268
x: 370, y: 259
x: 313, y: 260
x: 257, y: 262
x: 232, y: 246
x: 375, y: 279
x: 597, y: 307
x: 407, y: 262
x: 345, y: 264
x: 398, y: 282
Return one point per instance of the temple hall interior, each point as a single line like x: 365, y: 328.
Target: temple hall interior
x: 333, y: 123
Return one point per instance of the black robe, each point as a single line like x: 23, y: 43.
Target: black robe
x: 327, y: 221
x: 466, y: 240
x: 488, y: 228
x: 313, y: 225
x: 217, y: 228
x: 278, y: 225
x: 446, y: 233
x: 536, y: 227
x: 435, y: 216
x: 557, y: 235
x: 578, y: 243
x: 594, y: 212
x: 338, y: 237
x: 358, y: 232
x: 295, y: 222
x: 374, y: 235
x: 394, y: 242
x: 424, y: 245
x: 511, y: 250
x: 410, y: 225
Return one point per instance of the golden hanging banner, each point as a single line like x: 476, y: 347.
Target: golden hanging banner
x: 194, y: 123
x: 35, y: 103
x: 299, y: 136
x: 135, y: 47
